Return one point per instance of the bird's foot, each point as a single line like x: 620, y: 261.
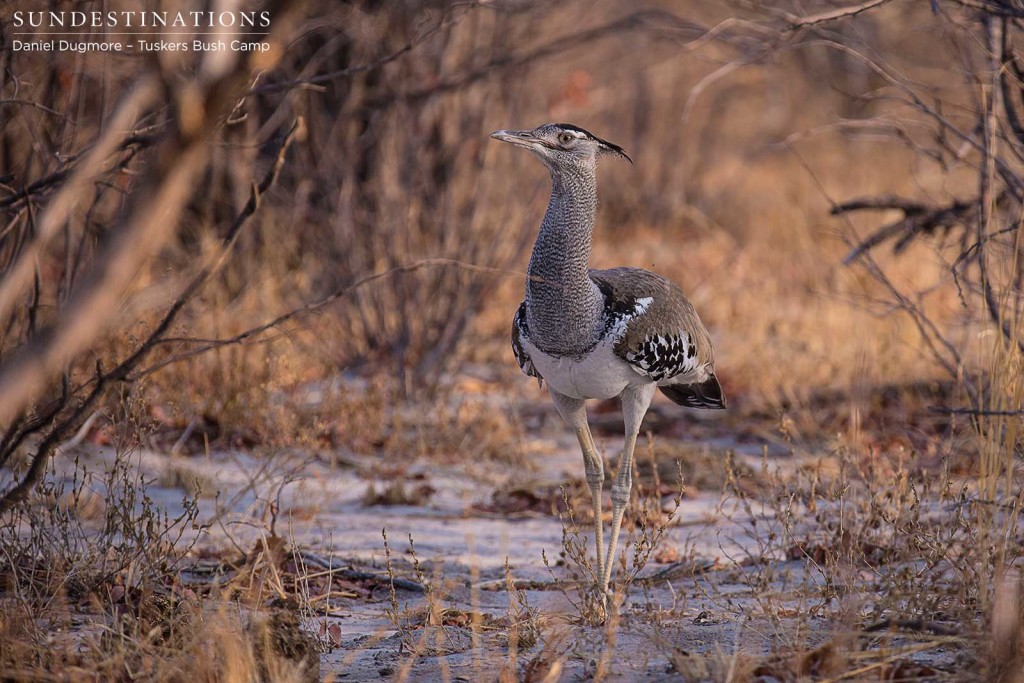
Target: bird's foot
x: 598, y: 607
x: 600, y: 597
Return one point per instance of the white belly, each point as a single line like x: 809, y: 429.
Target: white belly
x: 599, y: 374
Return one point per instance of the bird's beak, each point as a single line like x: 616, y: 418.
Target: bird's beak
x: 520, y: 138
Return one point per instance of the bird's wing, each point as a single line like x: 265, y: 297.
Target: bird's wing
x: 659, y: 334
x: 519, y: 331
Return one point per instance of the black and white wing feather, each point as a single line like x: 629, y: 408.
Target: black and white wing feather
x: 664, y: 356
x: 660, y: 335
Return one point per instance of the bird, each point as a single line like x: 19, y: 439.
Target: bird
x: 601, y: 334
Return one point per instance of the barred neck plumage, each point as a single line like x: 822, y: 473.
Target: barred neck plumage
x: 563, y: 305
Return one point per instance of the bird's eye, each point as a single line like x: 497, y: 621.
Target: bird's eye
x: 566, y: 138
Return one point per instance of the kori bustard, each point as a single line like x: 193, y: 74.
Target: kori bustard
x: 599, y: 334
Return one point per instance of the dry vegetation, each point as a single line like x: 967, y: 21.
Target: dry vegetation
x: 254, y: 308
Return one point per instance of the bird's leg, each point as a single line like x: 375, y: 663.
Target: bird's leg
x: 620, y: 498
x: 574, y: 412
x: 635, y: 401
x: 594, y: 466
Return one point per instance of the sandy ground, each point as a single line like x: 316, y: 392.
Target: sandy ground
x: 718, y: 594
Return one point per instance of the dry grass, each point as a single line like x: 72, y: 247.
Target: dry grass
x: 702, y: 205
x: 894, y: 535
x: 160, y: 646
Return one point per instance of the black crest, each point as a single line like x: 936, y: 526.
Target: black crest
x: 609, y: 146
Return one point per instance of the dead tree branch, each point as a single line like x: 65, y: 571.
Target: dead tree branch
x: 123, y: 369
x: 946, y: 410
x: 20, y: 428
x: 918, y: 219
x: 646, y: 20
x: 943, y: 351
x: 199, y: 109
x: 17, y: 279
x: 994, y: 30
x: 797, y: 22
x: 206, y: 345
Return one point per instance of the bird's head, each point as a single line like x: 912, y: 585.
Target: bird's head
x: 562, y: 146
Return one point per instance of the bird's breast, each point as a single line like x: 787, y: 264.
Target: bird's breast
x: 598, y: 374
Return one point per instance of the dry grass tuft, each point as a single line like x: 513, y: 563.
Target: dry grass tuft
x: 472, y: 430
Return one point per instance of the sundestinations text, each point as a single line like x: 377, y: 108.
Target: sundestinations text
x: 141, y: 19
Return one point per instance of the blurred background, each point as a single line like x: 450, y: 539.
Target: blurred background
x: 747, y: 123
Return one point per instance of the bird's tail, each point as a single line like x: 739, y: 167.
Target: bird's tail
x: 707, y: 394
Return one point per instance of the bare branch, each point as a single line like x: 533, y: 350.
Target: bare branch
x: 48, y: 445
x: 17, y: 279
x: 994, y: 29
x: 134, y: 141
x: 796, y: 22
x: 946, y: 410
x: 651, y: 20
x: 92, y: 307
x: 996, y: 9
x: 882, y: 203
x: 312, y: 307
x: 364, y: 68
x: 943, y: 351
x: 19, y: 430
x: 917, y: 219
x: 124, y: 368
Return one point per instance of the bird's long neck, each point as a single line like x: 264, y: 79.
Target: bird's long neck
x: 563, y: 305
